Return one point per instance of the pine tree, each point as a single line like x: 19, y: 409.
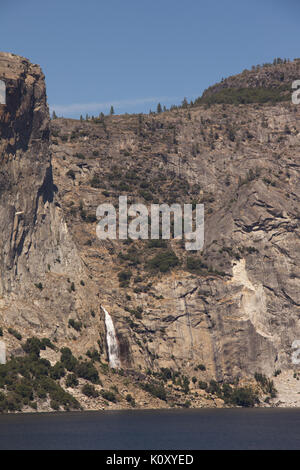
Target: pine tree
x: 184, y: 103
x: 112, y: 111
x: 159, y: 108
x: 54, y: 115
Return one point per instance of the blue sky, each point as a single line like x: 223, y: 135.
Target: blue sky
x: 135, y: 53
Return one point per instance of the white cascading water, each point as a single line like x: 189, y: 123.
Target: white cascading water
x: 112, y: 343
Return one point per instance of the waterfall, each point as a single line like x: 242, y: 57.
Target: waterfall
x: 112, y: 343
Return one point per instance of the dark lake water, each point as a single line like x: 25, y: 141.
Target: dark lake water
x: 155, y: 430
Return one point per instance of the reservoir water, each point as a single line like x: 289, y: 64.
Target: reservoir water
x: 153, y: 429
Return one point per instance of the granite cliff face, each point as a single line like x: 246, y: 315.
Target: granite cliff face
x: 37, y: 252
x: 225, y: 313
x: 238, y: 313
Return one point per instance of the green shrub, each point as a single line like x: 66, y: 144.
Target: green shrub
x: 164, y: 261
x: 157, y: 243
x: 130, y: 399
x: 24, y: 389
x: 240, y: 396
x: 54, y: 405
x: 15, y: 333
x: 244, y: 396
x: 90, y: 391
x: 261, y: 379
x: 187, y: 404
x: 74, y: 135
x: 77, y: 325
x: 202, y: 385
x: 124, y: 278
x: 71, y: 381
x: 95, y: 182
x: 266, y: 384
x: 166, y: 374
x: 214, y: 388
x: 196, y: 265
x: 58, y: 395
x: 156, y: 390
x: 147, y: 195
x: 185, y: 384
x: 137, y: 312
x: 109, y: 395
x: 68, y: 360
x: 33, y: 346
x: 57, y: 371
x: 71, y: 174
x: 47, y: 343
x: 86, y: 370
x: 13, y: 402
x: 131, y: 256
x: 93, y: 355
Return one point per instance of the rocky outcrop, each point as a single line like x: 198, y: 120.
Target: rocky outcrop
x: 38, y: 258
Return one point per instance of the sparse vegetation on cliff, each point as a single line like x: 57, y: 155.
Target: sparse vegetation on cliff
x: 164, y: 261
x: 26, y: 380
x: 236, y: 153
x: 238, y: 96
